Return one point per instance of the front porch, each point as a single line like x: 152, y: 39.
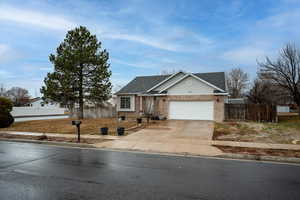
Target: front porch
x: 147, y: 106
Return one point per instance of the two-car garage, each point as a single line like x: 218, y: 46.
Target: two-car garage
x: 191, y: 110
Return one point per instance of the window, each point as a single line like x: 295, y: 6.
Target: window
x: 125, y: 102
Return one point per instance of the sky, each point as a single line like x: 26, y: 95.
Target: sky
x: 146, y: 37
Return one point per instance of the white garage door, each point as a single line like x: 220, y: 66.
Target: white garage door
x: 191, y: 110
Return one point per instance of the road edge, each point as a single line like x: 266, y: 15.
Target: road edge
x: 243, y: 157
x: 64, y: 144
x: 261, y: 158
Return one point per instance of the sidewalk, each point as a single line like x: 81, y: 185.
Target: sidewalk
x: 104, y: 137
x: 196, y: 147
x: 173, y: 145
x: 202, y: 148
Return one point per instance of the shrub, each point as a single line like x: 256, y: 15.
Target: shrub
x: 5, y: 105
x: 6, y: 119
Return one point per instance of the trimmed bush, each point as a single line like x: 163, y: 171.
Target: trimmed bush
x: 6, y: 119
x: 5, y: 105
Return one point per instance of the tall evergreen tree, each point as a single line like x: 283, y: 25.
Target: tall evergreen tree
x: 81, y: 71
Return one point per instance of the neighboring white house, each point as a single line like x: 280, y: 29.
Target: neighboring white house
x: 37, y: 107
x: 38, y: 103
x: 113, y: 100
x: 283, y: 109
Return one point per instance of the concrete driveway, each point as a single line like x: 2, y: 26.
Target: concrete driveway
x: 171, y: 136
x: 163, y: 131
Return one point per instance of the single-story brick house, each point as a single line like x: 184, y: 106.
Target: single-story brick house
x: 181, y: 96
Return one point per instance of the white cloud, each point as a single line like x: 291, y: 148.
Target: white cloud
x: 282, y: 20
x: 142, y: 39
x: 163, y: 36
x: 245, y: 55
x: 185, y: 42
x: 5, y: 74
x: 265, y: 38
x: 7, y: 53
x: 35, y: 18
x: 3, y: 51
x: 145, y: 65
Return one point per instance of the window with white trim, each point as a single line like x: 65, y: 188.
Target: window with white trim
x: 125, y: 102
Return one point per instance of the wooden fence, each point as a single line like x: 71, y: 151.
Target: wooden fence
x: 252, y: 112
x: 99, y: 112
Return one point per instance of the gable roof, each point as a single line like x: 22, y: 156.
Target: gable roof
x: 196, y: 77
x: 35, y: 99
x: 165, y: 80
x: 142, y: 84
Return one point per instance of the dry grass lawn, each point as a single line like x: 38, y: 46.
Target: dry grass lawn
x: 88, y: 126
x: 284, y: 132
x: 260, y: 152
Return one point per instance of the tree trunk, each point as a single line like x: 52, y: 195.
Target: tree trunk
x: 81, y: 116
x: 297, y: 101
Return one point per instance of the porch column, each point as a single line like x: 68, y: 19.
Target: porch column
x: 141, y: 104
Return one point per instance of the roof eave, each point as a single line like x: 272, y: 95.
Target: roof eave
x: 128, y: 93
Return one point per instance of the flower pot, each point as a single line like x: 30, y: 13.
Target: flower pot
x: 104, y: 130
x: 139, y: 120
x: 155, y: 118
x: 120, y: 130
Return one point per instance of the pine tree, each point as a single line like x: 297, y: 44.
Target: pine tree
x: 81, y: 71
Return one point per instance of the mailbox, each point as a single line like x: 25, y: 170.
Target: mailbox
x: 77, y: 124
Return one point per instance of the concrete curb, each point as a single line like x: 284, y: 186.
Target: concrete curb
x: 245, y: 157
x: 67, y: 144
x: 241, y: 157
x: 260, y: 158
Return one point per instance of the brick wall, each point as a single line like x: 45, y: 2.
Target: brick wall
x: 162, y: 105
x: 132, y: 114
x: 218, y: 103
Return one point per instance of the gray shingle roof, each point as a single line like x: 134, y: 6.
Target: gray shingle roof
x: 143, y: 83
x: 215, y: 78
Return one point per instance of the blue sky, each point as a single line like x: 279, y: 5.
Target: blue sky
x: 145, y: 37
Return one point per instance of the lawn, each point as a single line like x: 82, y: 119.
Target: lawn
x: 260, y: 152
x: 88, y: 126
x: 284, y: 132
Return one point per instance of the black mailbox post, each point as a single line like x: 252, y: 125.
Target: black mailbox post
x: 77, y: 124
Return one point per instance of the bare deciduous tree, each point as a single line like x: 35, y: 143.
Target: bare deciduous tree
x: 237, y: 82
x: 285, y: 71
x: 19, y: 96
x: 3, y: 92
x: 262, y: 92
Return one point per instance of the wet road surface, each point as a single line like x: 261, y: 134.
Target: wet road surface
x: 32, y: 171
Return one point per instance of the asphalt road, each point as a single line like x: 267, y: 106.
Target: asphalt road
x: 32, y: 171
